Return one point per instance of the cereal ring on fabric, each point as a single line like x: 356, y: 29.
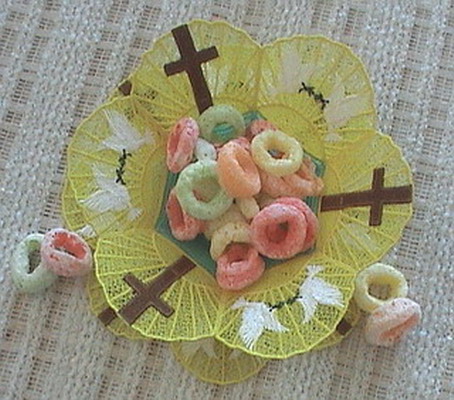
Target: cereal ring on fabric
x: 233, y: 232
x: 191, y: 179
x: 268, y: 141
x: 258, y: 126
x: 239, y: 267
x: 304, y: 182
x: 311, y: 219
x: 391, y: 321
x: 27, y: 271
x: 288, y: 221
x: 237, y: 172
x: 65, y: 253
x: 181, y: 143
x: 233, y: 214
x: 182, y: 225
x: 380, y: 274
x: 204, y: 150
x: 224, y: 116
x: 248, y: 206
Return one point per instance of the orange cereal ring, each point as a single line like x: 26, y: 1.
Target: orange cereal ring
x: 258, y: 126
x: 182, y: 225
x: 237, y: 172
x: 311, y: 219
x: 279, y: 231
x: 239, y: 267
x: 304, y: 182
x: 181, y: 144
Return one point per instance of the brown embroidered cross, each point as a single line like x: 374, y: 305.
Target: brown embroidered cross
x: 190, y: 62
x: 147, y: 295
x: 376, y: 198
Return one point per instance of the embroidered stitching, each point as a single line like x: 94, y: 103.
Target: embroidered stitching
x: 318, y: 97
x: 121, y: 169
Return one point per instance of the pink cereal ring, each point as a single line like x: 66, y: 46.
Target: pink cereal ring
x: 279, y: 231
x: 181, y: 144
x: 258, y: 126
x: 65, y: 253
x: 391, y: 321
x: 239, y: 266
x: 311, y: 219
x: 182, y: 225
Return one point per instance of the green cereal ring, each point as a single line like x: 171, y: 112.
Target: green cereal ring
x: 27, y: 281
x: 380, y: 274
x: 216, y: 123
x: 191, y: 179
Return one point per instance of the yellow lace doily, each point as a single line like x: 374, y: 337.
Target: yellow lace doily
x: 125, y: 139
x: 208, y: 359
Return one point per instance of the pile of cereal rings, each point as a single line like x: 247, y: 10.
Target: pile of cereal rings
x: 39, y: 259
x: 241, y: 183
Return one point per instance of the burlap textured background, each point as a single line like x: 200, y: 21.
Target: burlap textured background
x: 58, y: 61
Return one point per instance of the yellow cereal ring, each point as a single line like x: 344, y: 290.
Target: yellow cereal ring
x: 277, y: 141
x: 248, y: 207
x: 233, y: 232
x: 233, y: 214
x: 380, y: 274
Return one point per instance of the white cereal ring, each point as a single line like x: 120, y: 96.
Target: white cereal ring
x: 233, y: 232
x: 380, y: 274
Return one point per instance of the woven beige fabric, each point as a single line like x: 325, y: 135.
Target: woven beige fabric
x: 58, y: 61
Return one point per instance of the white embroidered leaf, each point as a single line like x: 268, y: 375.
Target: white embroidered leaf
x: 189, y: 349
x: 87, y: 231
x: 315, y: 291
x: 256, y: 318
x: 111, y: 196
x: 338, y: 113
x: 124, y: 135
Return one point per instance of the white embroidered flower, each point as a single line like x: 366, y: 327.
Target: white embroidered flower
x: 256, y: 318
x: 206, y: 345
x: 315, y: 291
x: 124, y: 135
x: 111, y: 196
